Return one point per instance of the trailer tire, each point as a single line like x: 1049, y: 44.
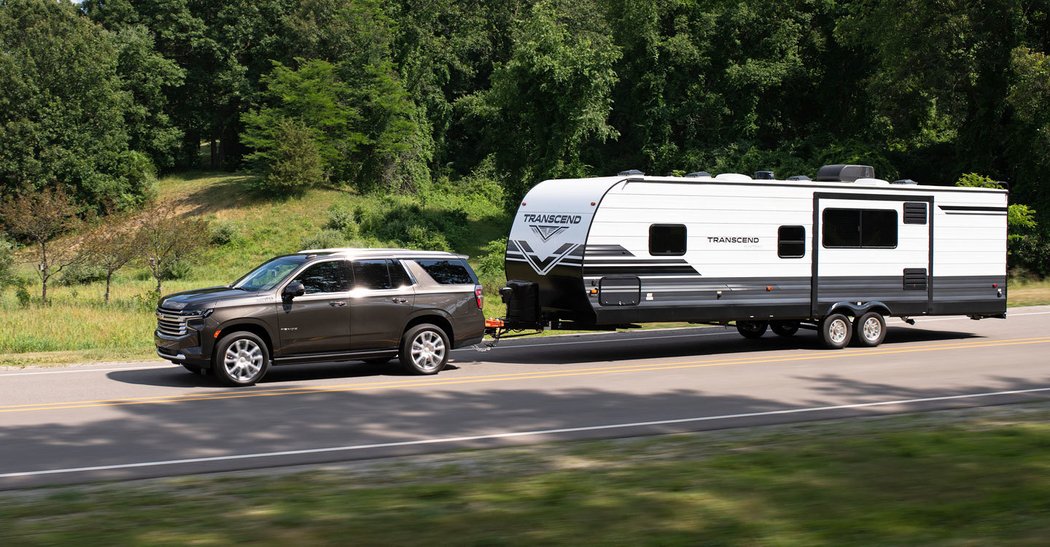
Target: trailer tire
x: 870, y: 330
x: 784, y: 328
x: 835, y: 331
x: 751, y: 329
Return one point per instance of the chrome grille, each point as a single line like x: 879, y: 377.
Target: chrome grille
x: 171, y: 325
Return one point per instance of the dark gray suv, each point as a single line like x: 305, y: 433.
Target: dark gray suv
x: 326, y: 305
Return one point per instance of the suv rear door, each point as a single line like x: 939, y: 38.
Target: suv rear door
x: 380, y: 303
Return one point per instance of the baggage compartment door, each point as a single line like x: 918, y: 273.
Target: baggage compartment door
x: 619, y: 291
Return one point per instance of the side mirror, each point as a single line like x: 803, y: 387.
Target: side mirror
x: 293, y: 289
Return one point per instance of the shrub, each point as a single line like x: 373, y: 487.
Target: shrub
x: 7, y: 261
x: 81, y: 274
x: 325, y: 239
x: 22, y: 292
x: 294, y: 164
x: 223, y: 233
x: 421, y: 237
x: 408, y: 224
x: 343, y: 220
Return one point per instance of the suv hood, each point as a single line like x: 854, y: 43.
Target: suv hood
x: 205, y: 297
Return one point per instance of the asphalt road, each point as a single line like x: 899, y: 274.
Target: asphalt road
x: 148, y: 419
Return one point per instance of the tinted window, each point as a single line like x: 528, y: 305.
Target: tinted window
x: 447, y: 272
x: 791, y: 242
x: 841, y: 227
x: 860, y: 228
x: 667, y: 239
x: 326, y: 277
x: 878, y: 228
x: 398, y: 276
x: 371, y: 274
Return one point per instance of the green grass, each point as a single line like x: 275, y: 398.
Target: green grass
x: 974, y: 477
x: 77, y: 326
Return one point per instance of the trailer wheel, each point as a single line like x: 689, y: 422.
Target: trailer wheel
x: 784, y: 328
x: 751, y: 329
x: 835, y: 331
x: 870, y: 329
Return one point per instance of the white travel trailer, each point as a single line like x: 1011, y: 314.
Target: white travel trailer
x: 838, y: 253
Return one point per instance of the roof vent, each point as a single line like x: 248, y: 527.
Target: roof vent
x: 733, y: 177
x: 799, y: 177
x: 764, y: 175
x: 630, y: 173
x: 904, y: 181
x: 845, y: 173
x: 697, y: 174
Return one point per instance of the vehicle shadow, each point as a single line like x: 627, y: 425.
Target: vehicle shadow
x: 672, y: 344
x: 561, y: 350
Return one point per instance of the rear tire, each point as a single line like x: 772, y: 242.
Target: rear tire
x: 784, y: 328
x: 835, y: 331
x: 870, y: 330
x: 241, y: 359
x: 751, y: 329
x: 424, y: 349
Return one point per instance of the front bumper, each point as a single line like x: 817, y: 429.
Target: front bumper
x: 182, y: 350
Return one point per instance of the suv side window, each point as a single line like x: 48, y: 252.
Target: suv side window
x: 371, y: 274
x: 398, y: 276
x: 326, y: 277
x: 448, y: 272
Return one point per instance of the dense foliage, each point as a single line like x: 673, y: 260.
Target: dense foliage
x: 395, y: 95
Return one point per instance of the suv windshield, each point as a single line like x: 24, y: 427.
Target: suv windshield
x: 268, y: 275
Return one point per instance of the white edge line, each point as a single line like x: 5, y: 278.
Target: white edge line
x: 513, y: 434
x: 2, y: 375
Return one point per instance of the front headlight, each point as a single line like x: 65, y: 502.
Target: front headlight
x: 196, y: 321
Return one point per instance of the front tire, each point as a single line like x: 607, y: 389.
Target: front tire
x: 751, y: 329
x: 835, y: 331
x: 424, y: 349
x: 241, y: 359
x: 870, y: 329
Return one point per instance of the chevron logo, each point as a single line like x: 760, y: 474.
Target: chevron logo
x: 542, y: 266
x: 547, y: 232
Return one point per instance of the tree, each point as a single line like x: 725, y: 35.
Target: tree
x: 313, y: 103
x: 37, y: 219
x: 7, y: 261
x: 294, y: 162
x: 164, y: 238
x: 551, y: 101
x: 62, y: 105
x: 111, y: 245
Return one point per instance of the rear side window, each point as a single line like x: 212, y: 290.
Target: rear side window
x: 667, y: 239
x: 398, y: 276
x: 448, y: 272
x: 371, y: 274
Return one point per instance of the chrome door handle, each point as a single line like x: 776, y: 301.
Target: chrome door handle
x: 337, y: 304
x: 397, y: 300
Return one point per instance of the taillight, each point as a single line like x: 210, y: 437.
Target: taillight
x: 478, y: 298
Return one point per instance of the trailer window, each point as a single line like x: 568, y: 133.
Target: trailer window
x: 860, y: 228
x: 791, y: 242
x: 667, y: 239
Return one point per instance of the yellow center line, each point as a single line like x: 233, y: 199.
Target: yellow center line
x: 587, y: 371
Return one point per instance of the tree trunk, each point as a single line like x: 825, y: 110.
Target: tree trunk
x: 158, y: 285
x: 43, y: 289
x: 214, y: 153
x: 109, y: 279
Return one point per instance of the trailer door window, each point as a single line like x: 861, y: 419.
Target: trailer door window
x: 860, y: 228
x: 791, y: 242
x: 667, y: 239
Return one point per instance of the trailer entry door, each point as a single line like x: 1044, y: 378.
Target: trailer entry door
x: 619, y: 291
x: 872, y: 248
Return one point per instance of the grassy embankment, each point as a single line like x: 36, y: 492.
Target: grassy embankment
x: 974, y: 477
x: 77, y: 326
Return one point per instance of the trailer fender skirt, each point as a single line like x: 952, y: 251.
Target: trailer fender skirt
x: 858, y: 309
